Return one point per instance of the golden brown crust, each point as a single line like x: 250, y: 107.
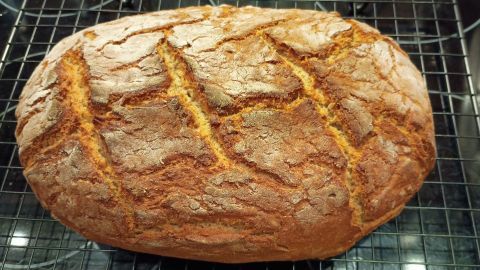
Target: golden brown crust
x: 226, y: 134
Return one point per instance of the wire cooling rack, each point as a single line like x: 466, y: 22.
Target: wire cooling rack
x: 437, y: 230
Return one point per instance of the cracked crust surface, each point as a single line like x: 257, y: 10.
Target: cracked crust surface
x: 226, y: 134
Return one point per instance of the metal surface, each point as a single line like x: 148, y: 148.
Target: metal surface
x: 437, y: 230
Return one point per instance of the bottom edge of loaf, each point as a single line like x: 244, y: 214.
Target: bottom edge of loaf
x: 228, y: 259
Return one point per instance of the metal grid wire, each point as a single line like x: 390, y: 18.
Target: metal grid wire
x: 437, y: 230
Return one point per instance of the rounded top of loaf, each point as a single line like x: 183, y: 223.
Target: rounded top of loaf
x: 226, y: 134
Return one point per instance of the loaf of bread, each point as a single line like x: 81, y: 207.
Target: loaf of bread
x: 226, y: 134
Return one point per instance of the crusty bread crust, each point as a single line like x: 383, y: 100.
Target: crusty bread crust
x: 226, y: 134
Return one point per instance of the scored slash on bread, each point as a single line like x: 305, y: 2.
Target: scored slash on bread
x: 226, y: 134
